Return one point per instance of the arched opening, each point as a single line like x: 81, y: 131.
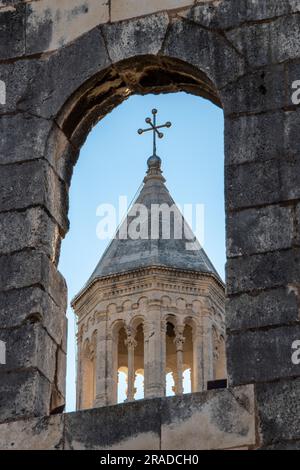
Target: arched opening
x: 99, y: 96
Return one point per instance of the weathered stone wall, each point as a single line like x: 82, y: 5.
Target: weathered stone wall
x: 226, y: 420
x: 65, y: 69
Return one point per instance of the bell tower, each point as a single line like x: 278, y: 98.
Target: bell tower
x: 153, y: 309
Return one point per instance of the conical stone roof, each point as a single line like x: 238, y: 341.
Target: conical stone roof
x: 128, y: 254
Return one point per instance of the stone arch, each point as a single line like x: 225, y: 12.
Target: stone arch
x: 111, y: 308
x: 126, y: 305
x: 181, y: 303
x: 142, y: 302
x: 166, y: 301
x: 156, y: 54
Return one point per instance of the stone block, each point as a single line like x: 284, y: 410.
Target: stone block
x: 30, y: 269
x: 262, y: 355
x: 33, y: 434
x: 252, y: 184
x: 262, y: 183
x: 61, y: 371
x: 23, y: 394
x: 199, y: 421
x: 293, y: 98
x: 291, y: 132
x: 260, y: 230
x: 51, y: 25
x: 20, y: 305
x: 136, y: 37
x: 34, y: 183
x: 204, y: 49
x: 129, y: 426
x: 289, y: 445
x: 263, y: 309
x: 36, y: 139
x: 254, y: 138
x: 126, y: 9
x: 268, y: 43
x: 32, y: 229
x: 29, y: 346
x: 229, y: 14
x: 278, y: 408
x: 12, y: 32
x: 264, y: 271
x: 41, y: 86
x: 256, y: 92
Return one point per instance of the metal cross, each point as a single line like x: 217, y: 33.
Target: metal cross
x: 154, y: 128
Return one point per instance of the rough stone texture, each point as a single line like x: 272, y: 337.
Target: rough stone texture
x: 136, y: 37
x: 292, y: 445
x: 29, y: 269
x: 256, y: 143
x: 262, y: 183
x: 265, y: 271
x: 262, y: 309
x: 257, y: 350
x: 35, y: 349
x: 231, y: 13
x: 36, y: 139
x: 12, y: 32
x: 278, y: 408
x: 198, y: 421
x: 256, y: 92
x: 34, y: 183
x: 260, y: 230
x: 210, y: 420
x: 19, y: 306
x: 123, y: 427
x: 37, y: 434
x: 32, y: 229
x: 251, y: 41
x: 23, y: 394
x: 213, y: 54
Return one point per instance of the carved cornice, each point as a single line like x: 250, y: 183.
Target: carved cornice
x: 115, y: 279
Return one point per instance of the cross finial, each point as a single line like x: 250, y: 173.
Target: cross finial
x: 153, y: 127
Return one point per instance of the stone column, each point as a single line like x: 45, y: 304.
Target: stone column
x: 101, y: 376
x: 131, y: 344
x: 79, y: 371
x: 155, y: 381
x: 163, y: 340
x: 179, y: 342
x: 111, y: 369
x: 197, y: 372
x: 207, y: 349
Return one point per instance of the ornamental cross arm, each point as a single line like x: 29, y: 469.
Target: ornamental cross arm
x: 155, y: 129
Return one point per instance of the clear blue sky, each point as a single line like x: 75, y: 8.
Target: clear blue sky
x: 112, y: 163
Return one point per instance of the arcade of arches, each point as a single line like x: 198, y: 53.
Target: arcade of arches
x: 146, y: 340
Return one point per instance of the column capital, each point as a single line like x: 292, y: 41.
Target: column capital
x: 179, y: 338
